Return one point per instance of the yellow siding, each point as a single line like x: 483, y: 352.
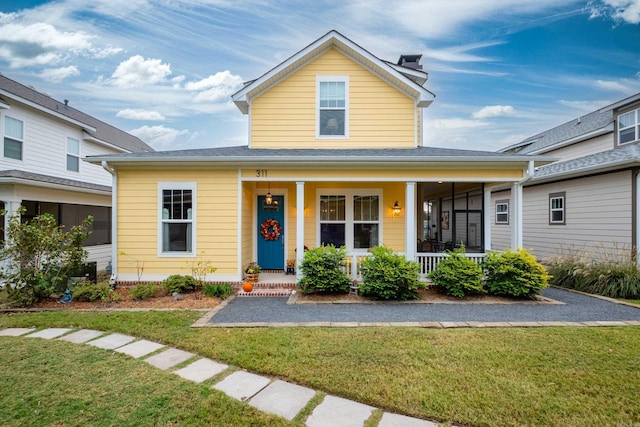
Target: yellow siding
x: 380, y: 116
x: 216, y: 216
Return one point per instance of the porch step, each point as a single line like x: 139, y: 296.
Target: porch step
x: 265, y: 292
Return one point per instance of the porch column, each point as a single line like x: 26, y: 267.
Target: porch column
x: 487, y: 219
x: 410, y: 222
x: 299, y: 227
x: 636, y: 222
x: 516, y: 216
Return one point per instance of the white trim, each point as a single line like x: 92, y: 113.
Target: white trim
x: 89, y: 138
x: 178, y: 185
x: 487, y: 219
x: 239, y: 219
x: 516, y: 209
x: 132, y: 277
x: 77, y: 156
x: 5, y: 136
x: 332, y: 79
x: 637, y: 199
x: 299, y: 227
x: 114, y: 218
x: 410, y: 221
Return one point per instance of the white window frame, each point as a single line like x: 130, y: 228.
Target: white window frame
x: 193, y: 220
x: 339, y: 79
x: 13, y: 138
x: 504, y: 213
x: 74, y: 155
x: 563, y: 209
x: 349, y: 222
x: 635, y: 126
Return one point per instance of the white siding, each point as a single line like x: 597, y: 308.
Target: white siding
x: 100, y: 254
x: 584, y: 148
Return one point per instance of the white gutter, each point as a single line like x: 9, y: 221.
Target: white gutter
x: 114, y: 222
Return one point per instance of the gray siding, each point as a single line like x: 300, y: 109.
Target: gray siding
x: 500, y: 233
x: 583, y: 148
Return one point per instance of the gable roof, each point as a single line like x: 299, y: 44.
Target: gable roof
x: 407, y: 80
x: 95, y: 130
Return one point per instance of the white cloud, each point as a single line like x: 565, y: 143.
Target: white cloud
x: 453, y: 124
x: 494, y: 111
x: 159, y: 137
x: 132, y: 114
x: 216, y: 88
x: 620, y: 10
x: 624, y: 86
x: 57, y: 75
x: 137, y: 71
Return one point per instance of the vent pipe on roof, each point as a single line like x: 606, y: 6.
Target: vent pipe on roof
x: 410, y: 61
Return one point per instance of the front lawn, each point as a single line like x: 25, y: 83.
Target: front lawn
x: 481, y: 377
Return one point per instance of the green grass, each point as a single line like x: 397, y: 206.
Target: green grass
x: 632, y: 301
x: 480, y: 377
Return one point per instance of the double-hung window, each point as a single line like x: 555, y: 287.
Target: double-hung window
x: 557, y: 208
x: 73, y: 154
x: 332, y: 107
x: 13, y: 138
x: 177, y: 218
x: 351, y: 219
x: 629, y: 127
x: 502, y: 212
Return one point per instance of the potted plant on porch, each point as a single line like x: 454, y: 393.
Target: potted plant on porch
x: 252, y: 272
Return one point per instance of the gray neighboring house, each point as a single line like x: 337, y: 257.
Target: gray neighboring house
x: 587, y: 201
x: 41, y: 168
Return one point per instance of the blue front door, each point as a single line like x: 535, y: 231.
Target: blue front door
x: 271, y: 233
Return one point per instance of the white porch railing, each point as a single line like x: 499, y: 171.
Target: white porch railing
x: 427, y: 261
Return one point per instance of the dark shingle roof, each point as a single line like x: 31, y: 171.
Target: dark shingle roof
x: 103, y: 131
x: 36, y: 177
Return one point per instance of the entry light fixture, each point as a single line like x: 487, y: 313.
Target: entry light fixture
x: 396, y: 209
x: 268, y: 199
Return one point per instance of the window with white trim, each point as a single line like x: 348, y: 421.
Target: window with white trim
x: 177, y: 218
x: 629, y: 127
x: 73, y: 154
x: 13, y: 138
x: 351, y: 219
x: 332, y: 119
x: 557, y: 208
x: 502, y: 212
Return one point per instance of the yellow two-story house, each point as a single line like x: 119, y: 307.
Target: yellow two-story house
x: 334, y: 156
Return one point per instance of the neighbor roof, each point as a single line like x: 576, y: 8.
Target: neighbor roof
x: 40, y: 180
x: 96, y: 130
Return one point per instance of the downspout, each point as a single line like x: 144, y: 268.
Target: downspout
x: 114, y: 222
x: 516, y: 190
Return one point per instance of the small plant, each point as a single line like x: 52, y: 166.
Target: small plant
x: 322, y: 270
x: 389, y: 276
x: 458, y: 275
x: 139, y: 265
x: 200, y: 269
x: 180, y: 284
x: 220, y: 290
x: 253, y: 268
x: 514, y: 274
x: 144, y: 291
x: 90, y: 292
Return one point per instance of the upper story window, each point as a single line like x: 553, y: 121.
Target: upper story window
x: 73, y: 155
x: 13, y: 138
x: 557, y: 208
x: 177, y: 218
x: 629, y: 127
x: 502, y: 212
x: 333, y: 107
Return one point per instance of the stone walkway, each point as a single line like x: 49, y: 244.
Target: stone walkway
x: 266, y: 394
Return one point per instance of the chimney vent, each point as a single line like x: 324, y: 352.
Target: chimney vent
x: 66, y: 102
x: 410, y: 61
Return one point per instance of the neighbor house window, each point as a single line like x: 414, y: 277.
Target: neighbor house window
x: 13, y: 138
x: 502, y: 212
x: 73, y: 155
x: 333, y: 102
x: 351, y: 220
x: 629, y: 127
x: 177, y: 218
x: 557, y: 208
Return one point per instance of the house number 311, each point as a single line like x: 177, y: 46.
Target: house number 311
x: 261, y: 173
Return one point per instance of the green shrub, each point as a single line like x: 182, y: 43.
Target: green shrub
x: 389, y: 276
x: 220, y: 290
x: 144, y: 291
x: 180, y: 284
x: 458, y: 275
x: 90, y: 292
x: 514, y: 274
x: 322, y: 270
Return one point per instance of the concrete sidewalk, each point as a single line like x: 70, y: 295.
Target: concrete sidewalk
x: 264, y: 393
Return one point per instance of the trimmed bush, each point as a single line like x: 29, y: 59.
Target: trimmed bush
x: 220, y: 290
x: 514, y: 274
x: 389, y: 276
x: 90, y: 292
x: 322, y: 270
x: 180, y: 284
x: 144, y: 291
x: 458, y: 275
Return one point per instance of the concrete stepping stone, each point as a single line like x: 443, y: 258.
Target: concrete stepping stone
x: 49, y: 333
x: 201, y: 370
x: 242, y: 385
x: 112, y: 341
x: 169, y: 358
x: 139, y: 348
x: 81, y: 336
x: 282, y: 398
x: 339, y: 412
x: 15, y: 332
x: 395, y: 420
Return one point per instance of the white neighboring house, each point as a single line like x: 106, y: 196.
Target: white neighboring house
x: 588, y: 200
x: 41, y: 167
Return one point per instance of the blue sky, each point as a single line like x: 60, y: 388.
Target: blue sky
x: 164, y: 70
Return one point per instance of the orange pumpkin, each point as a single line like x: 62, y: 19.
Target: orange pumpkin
x: 247, y: 286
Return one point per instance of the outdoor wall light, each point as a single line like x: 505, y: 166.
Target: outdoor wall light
x: 268, y: 199
x: 396, y: 209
